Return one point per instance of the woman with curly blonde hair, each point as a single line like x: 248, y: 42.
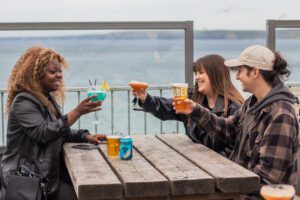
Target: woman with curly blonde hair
x: 36, y: 128
x: 27, y: 72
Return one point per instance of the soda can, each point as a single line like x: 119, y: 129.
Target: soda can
x: 125, y: 148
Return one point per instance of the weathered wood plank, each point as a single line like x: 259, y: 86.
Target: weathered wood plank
x: 229, y: 176
x: 139, y: 178
x: 184, y: 177
x: 91, y: 175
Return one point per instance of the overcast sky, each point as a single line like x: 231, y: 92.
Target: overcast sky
x: 207, y: 15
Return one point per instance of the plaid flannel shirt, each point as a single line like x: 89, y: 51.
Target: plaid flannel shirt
x: 266, y: 142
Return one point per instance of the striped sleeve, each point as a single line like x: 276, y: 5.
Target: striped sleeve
x: 218, y: 127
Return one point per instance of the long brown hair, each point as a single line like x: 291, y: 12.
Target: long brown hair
x: 219, y: 77
x: 27, y: 73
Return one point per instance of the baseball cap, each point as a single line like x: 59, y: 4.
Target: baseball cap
x: 254, y: 56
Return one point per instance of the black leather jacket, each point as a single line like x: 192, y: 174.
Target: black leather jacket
x: 162, y: 108
x: 35, y: 139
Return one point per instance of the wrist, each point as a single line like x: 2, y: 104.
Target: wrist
x: 196, y: 111
x: 84, y: 136
x: 76, y: 113
x: 144, y: 99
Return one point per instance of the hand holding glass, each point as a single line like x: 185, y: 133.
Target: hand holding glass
x: 139, y: 91
x: 100, y: 95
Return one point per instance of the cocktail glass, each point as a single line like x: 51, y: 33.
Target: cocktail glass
x: 136, y: 85
x: 100, y: 96
x: 277, y: 192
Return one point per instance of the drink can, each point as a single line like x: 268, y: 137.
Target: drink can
x: 113, y: 146
x: 125, y: 148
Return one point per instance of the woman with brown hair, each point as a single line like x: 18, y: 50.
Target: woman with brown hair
x: 36, y: 129
x: 213, y: 89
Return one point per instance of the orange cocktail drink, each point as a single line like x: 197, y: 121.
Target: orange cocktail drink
x: 136, y: 85
x: 277, y: 192
x: 180, y: 93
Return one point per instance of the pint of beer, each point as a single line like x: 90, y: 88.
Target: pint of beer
x: 180, y: 93
x: 277, y: 192
x: 113, y: 146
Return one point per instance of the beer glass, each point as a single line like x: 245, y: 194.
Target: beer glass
x: 180, y: 93
x: 277, y: 192
x: 113, y: 146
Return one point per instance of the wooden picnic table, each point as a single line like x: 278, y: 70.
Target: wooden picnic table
x: 167, y: 166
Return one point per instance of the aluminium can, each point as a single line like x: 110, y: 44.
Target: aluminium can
x: 125, y: 148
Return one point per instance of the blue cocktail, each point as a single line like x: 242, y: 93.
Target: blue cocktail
x: 100, y: 95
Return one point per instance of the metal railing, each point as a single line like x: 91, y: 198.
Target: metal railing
x: 81, y: 92
x: 126, y: 90
x: 271, y: 30
x: 271, y: 26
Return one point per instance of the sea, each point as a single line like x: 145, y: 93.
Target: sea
x: 118, y: 61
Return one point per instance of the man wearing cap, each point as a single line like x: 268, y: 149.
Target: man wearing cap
x: 265, y: 129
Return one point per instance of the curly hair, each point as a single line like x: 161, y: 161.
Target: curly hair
x: 27, y: 73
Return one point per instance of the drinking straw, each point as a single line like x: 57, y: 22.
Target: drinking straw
x: 95, y: 82
x: 91, y: 83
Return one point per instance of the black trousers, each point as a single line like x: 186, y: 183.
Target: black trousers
x: 65, y: 190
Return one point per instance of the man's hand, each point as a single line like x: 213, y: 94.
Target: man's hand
x: 191, y: 107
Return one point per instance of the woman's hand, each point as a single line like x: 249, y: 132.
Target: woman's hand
x: 95, y: 139
x: 87, y: 106
x: 191, y: 107
x: 84, y: 107
x: 140, y: 94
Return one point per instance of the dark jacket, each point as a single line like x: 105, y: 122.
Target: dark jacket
x: 266, y: 134
x: 35, y: 139
x: 162, y: 108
